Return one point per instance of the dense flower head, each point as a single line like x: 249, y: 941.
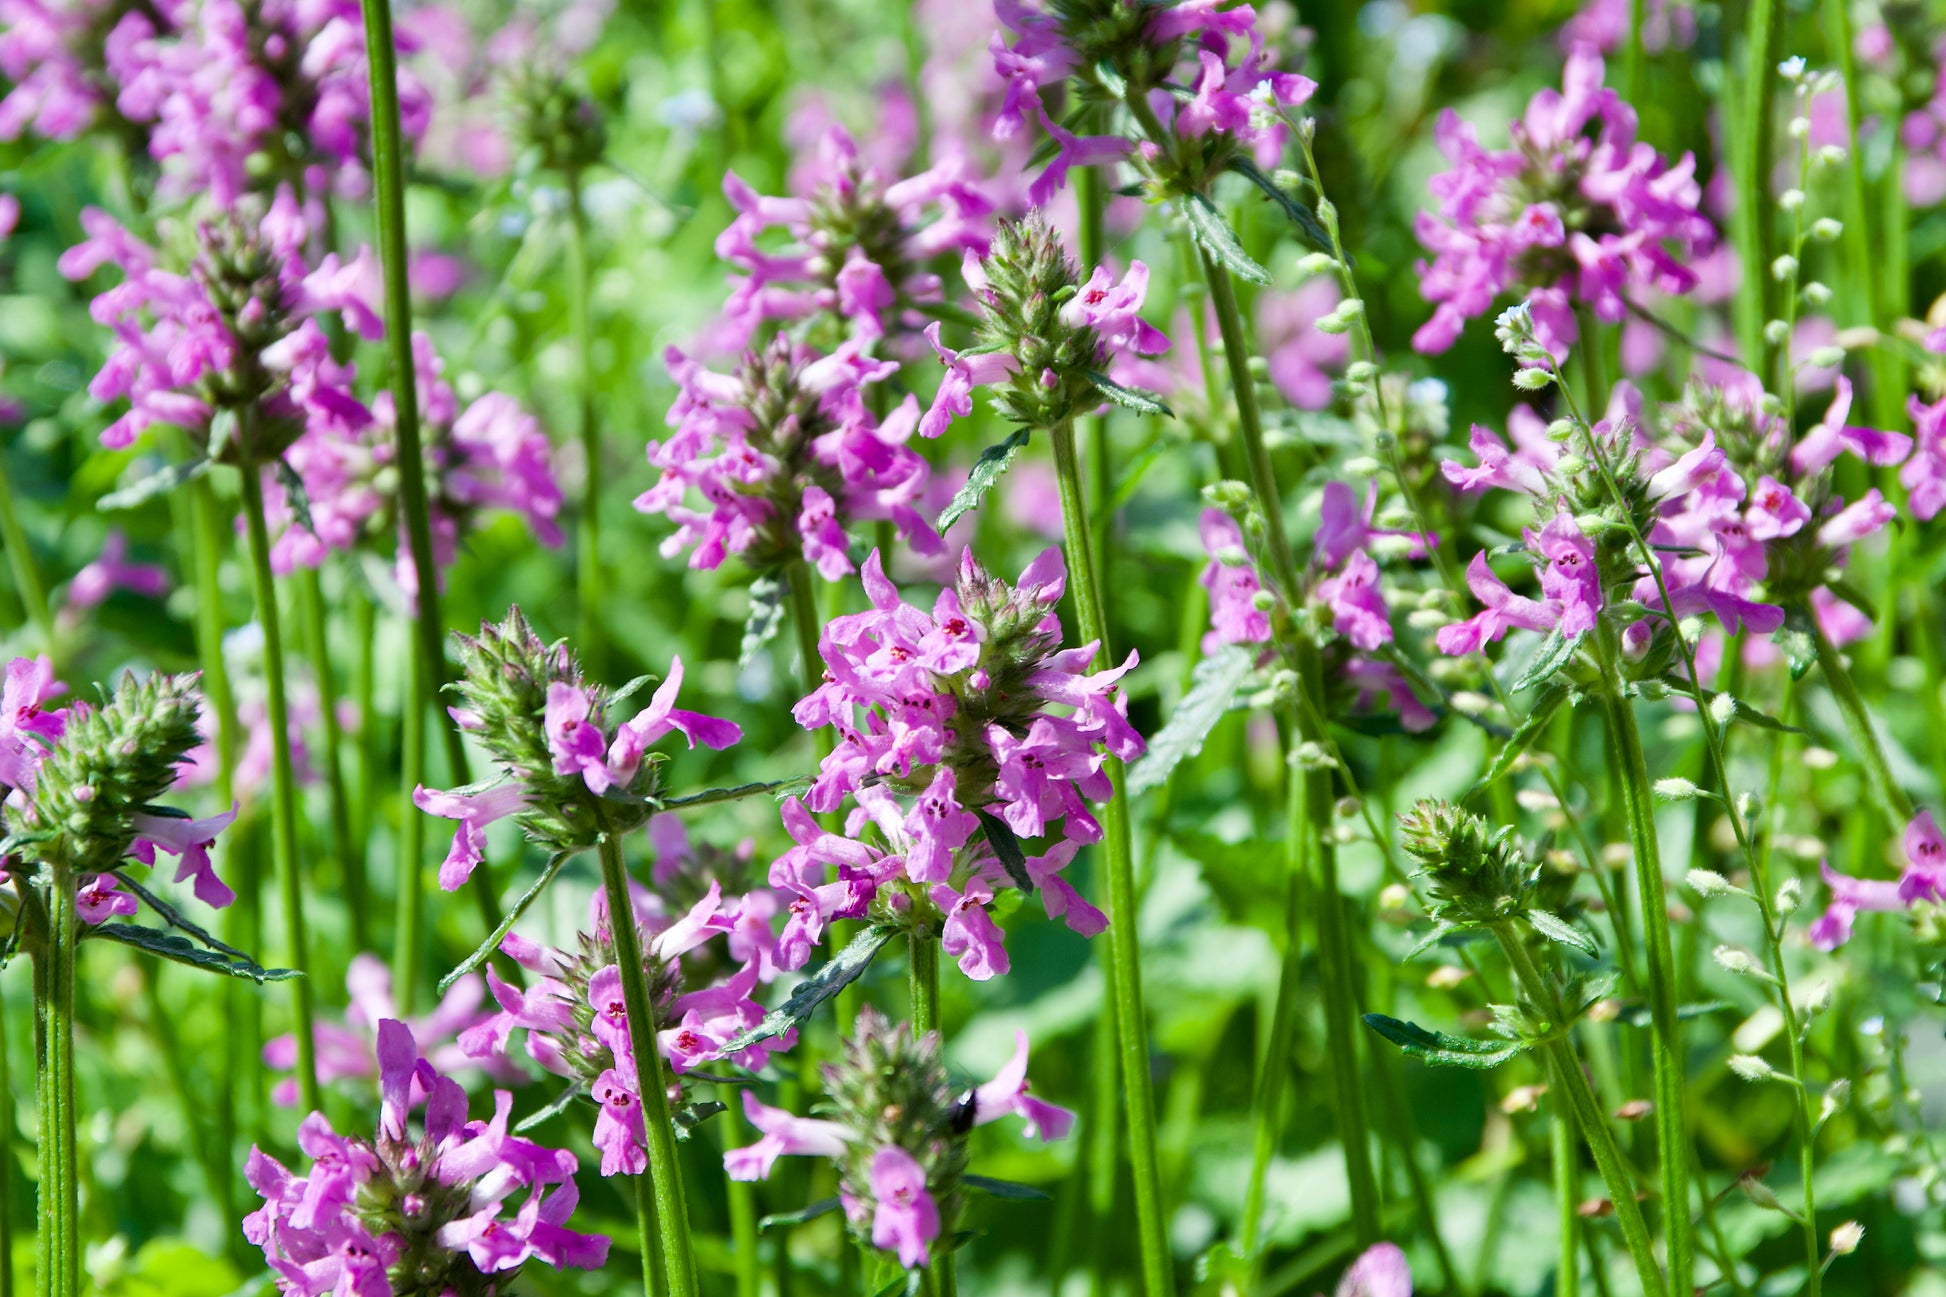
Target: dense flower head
x: 1922, y: 880
x: 236, y: 93
x: 699, y: 989
x: 1217, y: 58
x: 859, y: 242
x: 897, y: 1131
x: 1045, y: 335
x: 971, y: 710
x: 567, y: 774
x: 491, y: 454
x: 1474, y: 873
x: 456, y: 1208
x: 233, y: 351
x: 52, y: 51
x: 786, y: 455
x: 1604, y: 24
x: 80, y: 786
x: 1577, y: 213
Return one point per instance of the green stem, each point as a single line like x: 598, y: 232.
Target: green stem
x: 664, y: 1173
x: 648, y: 1228
x: 588, y: 584
x: 1093, y: 428
x: 283, y: 778
x: 1571, y: 1083
x: 1858, y: 723
x: 6, y: 1161
x: 922, y: 943
x: 317, y: 647
x: 805, y: 622
x: 742, y: 1197
x: 1334, y: 951
x: 1594, y: 378
x: 58, y: 1201
x: 408, y: 937
x: 27, y: 579
x: 1268, y: 1096
x: 1124, y: 950
x: 1751, y: 219
x: 1567, y: 1202
x: 1632, y: 70
x: 1862, y: 264
x: 364, y: 691
x: 1638, y: 808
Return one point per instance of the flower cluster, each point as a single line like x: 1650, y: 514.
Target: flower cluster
x: 231, y: 92
x: 972, y: 711
x: 415, y: 1215
x: 897, y: 1132
x: 786, y: 455
x: 52, y: 52
x: 1046, y: 338
x: 1579, y: 213
x: 233, y: 352
x: 490, y: 455
x: 1923, y: 879
x: 79, y: 787
x: 568, y: 776
x: 1143, y: 55
x: 859, y: 245
x: 577, y: 1027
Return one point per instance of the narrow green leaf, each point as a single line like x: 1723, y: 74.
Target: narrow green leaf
x: 296, y: 497
x: 1555, y: 928
x: 170, y: 915
x: 1546, y: 704
x: 1439, y: 933
x: 840, y: 971
x: 1007, y: 847
x: 709, y: 796
x: 1137, y: 468
x: 1301, y: 216
x: 1555, y: 652
x: 1739, y: 709
x: 1006, y: 1189
x: 181, y: 950
x: 1129, y: 398
x: 1851, y: 594
x: 1440, y: 1049
x: 1214, y: 236
x: 785, y: 1219
x: 559, y: 1104
x: 629, y: 690
x: 1213, y: 688
x: 987, y: 470
x: 506, y: 925
x: 691, y: 1115
x: 1111, y: 80
x: 148, y: 487
x: 765, y: 617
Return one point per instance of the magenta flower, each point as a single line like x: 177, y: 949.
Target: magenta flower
x: 1006, y: 1096
x: 1831, y: 437
x: 1232, y: 583
x: 1504, y: 611
x: 189, y: 840
x: 1380, y: 1271
x: 110, y: 571
x: 1923, y: 879
x: 906, y: 1220
x: 27, y: 725
x: 430, y: 1210
x: 1570, y: 577
x: 782, y: 1134
x: 1576, y: 212
x: 474, y: 811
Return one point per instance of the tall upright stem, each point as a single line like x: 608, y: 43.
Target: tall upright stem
x: 664, y: 1173
x: 283, y: 778
x: 742, y: 1197
x: 1665, y: 1037
x: 58, y: 1242
x: 1567, y: 1201
x: 1572, y: 1083
x: 1867, y: 297
x: 805, y: 623
x: 1753, y: 158
x: 408, y: 937
x: 1267, y: 1098
x: 588, y: 585
x: 6, y: 1162
x: 1124, y: 948
x: 1334, y: 951
x: 20, y: 559
x: 1093, y: 428
x: 317, y: 647
x: 923, y: 947
x: 1858, y: 723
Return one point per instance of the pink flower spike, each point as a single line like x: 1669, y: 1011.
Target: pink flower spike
x: 906, y: 1220
x: 1006, y: 1095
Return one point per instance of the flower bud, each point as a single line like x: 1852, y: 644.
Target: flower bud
x: 1393, y: 896
x: 1827, y: 358
x: 1735, y: 961
x: 1775, y: 331
x: 1752, y: 1068
x: 1790, y: 200
x: 1790, y: 895
x: 1532, y: 380
x: 1784, y: 268
x: 1845, y: 1238
x: 1831, y: 155
x: 1708, y: 882
x: 1816, y: 295
x: 1361, y: 466
x: 1799, y: 128
x: 1837, y: 1097
x: 1316, y: 263
x: 1675, y: 789
x: 1360, y: 372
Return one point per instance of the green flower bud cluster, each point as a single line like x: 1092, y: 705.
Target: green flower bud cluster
x: 1029, y: 278
x: 1475, y: 874
x: 553, y: 120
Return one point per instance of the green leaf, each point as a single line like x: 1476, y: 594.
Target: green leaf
x: 1301, y: 216
x: 296, y: 497
x: 691, y: 1115
x: 1136, y: 468
x: 1111, y: 80
x: 1007, y: 847
x: 765, y: 617
x: 1213, y: 689
x: 1851, y: 594
x: 1739, y: 709
x: 181, y: 950
x: 506, y: 925
x: 629, y: 690
x: 559, y: 1104
x: 1129, y: 398
x: 1555, y: 928
x: 1215, y: 237
x: 1798, y: 639
x: 840, y: 971
x: 1555, y: 652
x: 144, y: 489
x: 1546, y: 703
x: 1006, y: 1189
x: 785, y: 1219
x: 987, y: 470
x: 709, y: 796
x: 170, y: 915
x: 1439, y: 933
x: 1440, y: 1049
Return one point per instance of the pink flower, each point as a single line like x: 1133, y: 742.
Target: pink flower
x: 970, y: 935
x: 1006, y: 1095
x: 1570, y: 577
x: 189, y: 840
x: 474, y: 811
x: 110, y: 571
x: 1504, y: 610
x: 1849, y: 895
x: 1302, y: 357
x: 1832, y: 437
x: 906, y: 1220
x: 27, y: 725
x: 783, y: 1135
x: 1357, y: 606
x: 1231, y: 580
x: 1381, y: 1271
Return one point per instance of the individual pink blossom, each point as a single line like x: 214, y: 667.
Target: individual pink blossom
x: 1006, y: 1095
x: 1832, y: 436
x: 110, y: 571
x: 1231, y: 580
x: 1504, y: 611
x: 1380, y: 1271
x: 27, y: 725
x: 189, y: 840
x: 1923, y: 879
x: 906, y: 1220
x: 782, y: 1134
